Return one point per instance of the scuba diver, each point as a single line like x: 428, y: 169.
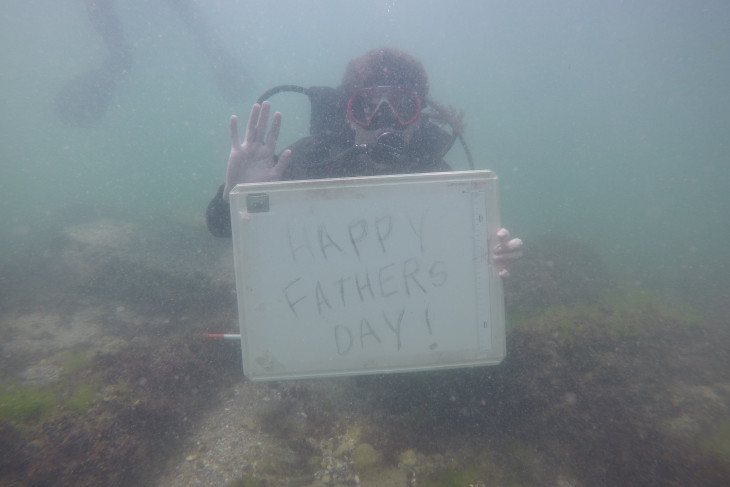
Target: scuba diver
x: 379, y: 121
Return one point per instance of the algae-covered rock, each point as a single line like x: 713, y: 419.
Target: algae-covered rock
x: 409, y: 458
x: 20, y: 403
x: 365, y: 456
x: 281, y: 460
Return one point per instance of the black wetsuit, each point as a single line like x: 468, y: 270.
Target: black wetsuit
x: 318, y: 157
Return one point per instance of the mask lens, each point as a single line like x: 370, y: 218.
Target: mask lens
x: 362, y: 107
x: 364, y: 104
x: 406, y: 105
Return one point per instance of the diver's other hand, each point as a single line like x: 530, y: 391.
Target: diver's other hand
x: 254, y: 161
x: 506, y: 251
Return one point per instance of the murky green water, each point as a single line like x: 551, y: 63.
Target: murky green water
x: 607, y: 122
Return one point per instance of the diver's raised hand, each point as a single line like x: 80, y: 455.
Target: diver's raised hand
x: 506, y: 251
x: 254, y: 161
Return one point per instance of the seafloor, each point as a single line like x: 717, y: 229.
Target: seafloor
x: 106, y: 378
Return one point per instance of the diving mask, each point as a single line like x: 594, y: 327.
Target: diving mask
x: 405, y: 105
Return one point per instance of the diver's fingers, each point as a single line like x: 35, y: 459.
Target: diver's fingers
x: 235, y: 138
x: 251, y: 126
x: 506, y: 251
x: 273, y: 135
x: 263, y: 121
x: 514, y: 245
x: 503, y: 235
x: 510, y: 247
x: 509, y: 254
x: 504, y: 244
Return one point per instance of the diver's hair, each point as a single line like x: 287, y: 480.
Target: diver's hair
x: 385, y: 67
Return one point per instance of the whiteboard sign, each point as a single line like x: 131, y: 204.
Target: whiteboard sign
x: 367, y: 275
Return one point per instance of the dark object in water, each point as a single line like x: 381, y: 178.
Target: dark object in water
x: 85, y: 99
x: 228, y: 71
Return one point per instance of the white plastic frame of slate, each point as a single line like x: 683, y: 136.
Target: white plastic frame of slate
x: 367, y: 274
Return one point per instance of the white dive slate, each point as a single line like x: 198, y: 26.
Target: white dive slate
x: 367, y: 275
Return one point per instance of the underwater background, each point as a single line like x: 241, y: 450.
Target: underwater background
x: 608, y: 124
x: 605, y: 121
